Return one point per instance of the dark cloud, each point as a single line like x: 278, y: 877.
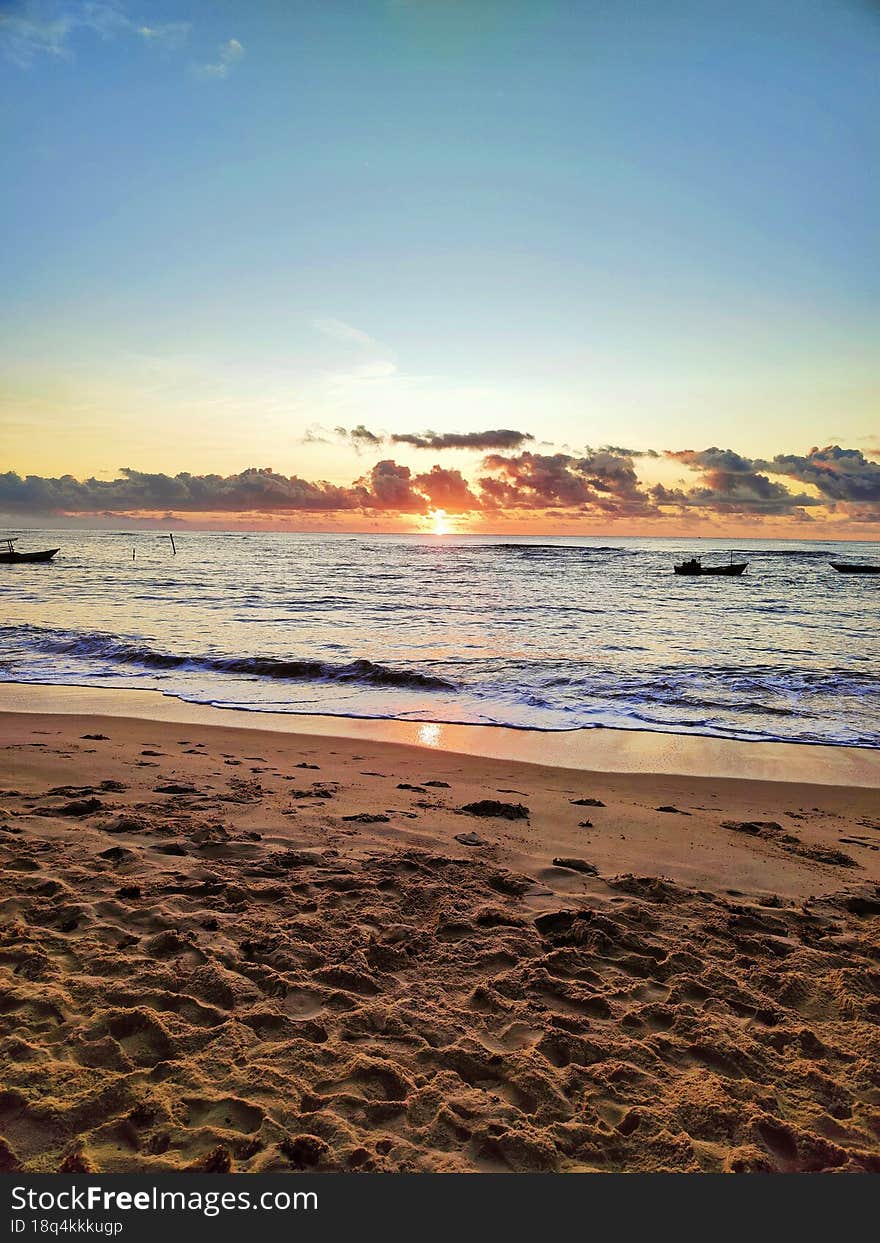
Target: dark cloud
x: 360, y: 436
x: 743, y: 497
x: 502, y: 438
x: 532, y: 481
x: 134, y: 491
x: 599, y: 481
x: 389, y: 486
x: 838, y: 474
x: 731, y: 484
x: 612, y: 475
x: 713, y: 459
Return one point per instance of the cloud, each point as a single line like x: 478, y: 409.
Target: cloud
x: 389, y: 486
x: 136, y: 491
x: 447, y: 489
x: 724, y: 460
x: 838, y: 474
x: 227, y: 55
x: 532, y: 481
x: 360, y: 436
x: 503, y: 438
x: 732, y: 484
x: 38, y: 28
x: 601, y: 482
x: 315, y: 435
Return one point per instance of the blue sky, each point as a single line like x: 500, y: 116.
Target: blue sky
x: 648, y: 224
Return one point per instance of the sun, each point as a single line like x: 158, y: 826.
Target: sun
x: 440, y: 522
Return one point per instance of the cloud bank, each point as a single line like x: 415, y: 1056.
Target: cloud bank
x: 599, y: 484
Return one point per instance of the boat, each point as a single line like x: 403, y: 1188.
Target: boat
x: 854, y: 567
x: 18, y: 558
x: 696, y: 567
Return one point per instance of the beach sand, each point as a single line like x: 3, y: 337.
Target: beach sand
x: 262, y: 951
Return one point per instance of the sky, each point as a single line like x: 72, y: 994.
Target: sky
x: 624, y: 255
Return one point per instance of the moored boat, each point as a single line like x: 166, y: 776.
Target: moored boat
x: 11, y: 557
x: 696, y: 567
x: 854, y: 567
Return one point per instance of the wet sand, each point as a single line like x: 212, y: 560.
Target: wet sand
x: 593, y: 750
x: 228, y: 948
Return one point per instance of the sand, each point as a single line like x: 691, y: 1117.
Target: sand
x: 248, y: 950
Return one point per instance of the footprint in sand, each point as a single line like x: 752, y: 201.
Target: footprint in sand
x: 226, y: 1113
x: 302, y: 1004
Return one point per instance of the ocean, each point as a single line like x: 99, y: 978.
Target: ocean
x: 537, y: 633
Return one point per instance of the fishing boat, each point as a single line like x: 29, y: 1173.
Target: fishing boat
x: 696, y: 567
x: 18, y: 558
x: 854, y: 567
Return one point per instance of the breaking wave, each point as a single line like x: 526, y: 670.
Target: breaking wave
x: 105, y: 647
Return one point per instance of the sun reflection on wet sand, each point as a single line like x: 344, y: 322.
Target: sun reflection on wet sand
x: 430, y: 735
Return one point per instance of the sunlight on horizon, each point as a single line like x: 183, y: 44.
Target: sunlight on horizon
x: 440, y: 522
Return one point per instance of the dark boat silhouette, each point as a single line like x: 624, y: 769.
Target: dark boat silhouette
x: 17, y: 558
x: 854, y: 567
x: 696, y: 567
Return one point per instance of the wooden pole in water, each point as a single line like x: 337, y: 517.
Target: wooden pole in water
x: 171, y: 537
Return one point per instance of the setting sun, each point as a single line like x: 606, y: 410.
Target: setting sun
x: 440, y: 522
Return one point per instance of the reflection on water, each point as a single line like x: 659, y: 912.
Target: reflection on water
x: 430, y: 736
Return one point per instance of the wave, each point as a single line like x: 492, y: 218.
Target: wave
x: 105, y: 647
x: 568, y: 550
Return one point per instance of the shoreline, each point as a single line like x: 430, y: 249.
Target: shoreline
x: 598, y: 749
